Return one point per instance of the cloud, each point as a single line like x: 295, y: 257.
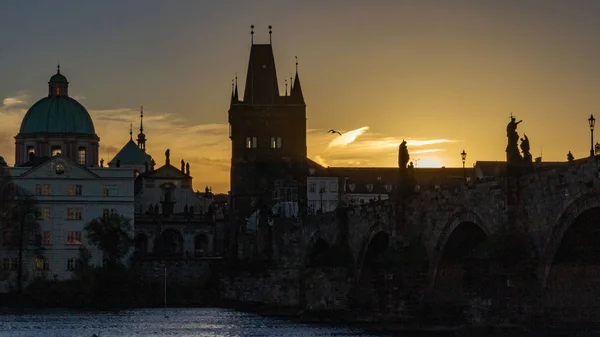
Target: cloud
x: 16, y: 102
x: 362, y: 147
x: 347, y: 137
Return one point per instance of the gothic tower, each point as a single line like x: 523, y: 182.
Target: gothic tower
x: 268, y: 138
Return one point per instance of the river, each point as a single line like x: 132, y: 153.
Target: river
x: 188, y: 322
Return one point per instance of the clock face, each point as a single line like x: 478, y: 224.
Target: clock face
x: 59, y: 168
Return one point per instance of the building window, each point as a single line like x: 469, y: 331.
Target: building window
x: 312, y: 206
x: 251, y: 142
x: 30, y: 150
x: 42, y: 189
x: 57, y: 91
x: 110, y: 190
x: 74, y: 189
x: 312, y: 187
x: 43, y: 214
x: 41, y: 264
x: 70, y: 264
x: 109, y: 212
x: 47, y: 238
x: 73, y: 238
x: 56, y: 150
x: 74, y: 213
x: 333, y: 187
x: 275, y: 142
x: 322, y: 186
x: 81, y: 156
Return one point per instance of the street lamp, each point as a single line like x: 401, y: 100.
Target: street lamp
x: 592, y: 122
x: 463, y: 155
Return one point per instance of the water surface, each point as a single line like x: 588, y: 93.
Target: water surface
x: 185, y: 322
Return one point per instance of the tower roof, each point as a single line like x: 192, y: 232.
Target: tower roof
x: 130, y: 154
x: 261, y: 79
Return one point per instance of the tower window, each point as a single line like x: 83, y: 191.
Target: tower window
x: 275, y: 142
x: 57, y: 91
x: 251, y: 142
x: 30, y: 150
x: 56, y: 150
x: 81, y: 156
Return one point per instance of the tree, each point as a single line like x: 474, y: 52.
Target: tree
x: 112, y: 235
x: 20, y: 231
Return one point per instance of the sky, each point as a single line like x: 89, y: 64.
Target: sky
x: 444, y: 75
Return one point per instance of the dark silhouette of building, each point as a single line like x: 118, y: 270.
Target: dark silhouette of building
x: 268, y: 137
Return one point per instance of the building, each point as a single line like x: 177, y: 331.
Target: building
x: 268, y: 142
x: 322, y: 191
x: 56, y: 153
x: 171, y: 219
x: 134, y: 155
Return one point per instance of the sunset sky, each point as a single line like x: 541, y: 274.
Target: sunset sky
x: 444, y: 75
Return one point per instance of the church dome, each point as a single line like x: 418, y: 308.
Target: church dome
x: 57, y: 113
x: 130, y: 154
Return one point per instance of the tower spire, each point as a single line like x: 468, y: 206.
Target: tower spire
x: 296, y: 92
x: 236, y: 96
x: 130, y: 131
x: 141, y: 139
x: 252, y: 34
x: 58, y: 67
x: 296, y: 64
x: 270, y: 34
x: 286, y: 87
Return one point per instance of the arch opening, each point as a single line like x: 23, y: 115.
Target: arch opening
x: 141, y: 244
x: 318, y: 253
x: 453, y: 274
x: 169, y: 243
x: 574, y: 275
x: 200, y: 245
x: 373, y: 282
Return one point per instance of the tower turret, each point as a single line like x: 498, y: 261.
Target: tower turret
x: 141, y: 138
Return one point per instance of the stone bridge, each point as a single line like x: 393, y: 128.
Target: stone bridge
x: 556, y: 209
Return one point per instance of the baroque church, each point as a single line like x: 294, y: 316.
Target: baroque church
x: 57, y: 163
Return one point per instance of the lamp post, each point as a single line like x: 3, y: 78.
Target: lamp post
x: 463, y: 155
x: 592, y: 122
x: 321, y: 190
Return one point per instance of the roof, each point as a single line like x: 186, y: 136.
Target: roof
x: 167, y: 171
x: 58, y: 78
x: 57, y: 114
x: 261, y: 79
x: 131, y: 154
x: 389, y: 175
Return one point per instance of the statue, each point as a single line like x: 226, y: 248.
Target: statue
x: 102, y: 162
x: 403, y: 156
x: 570, y: 157
x: 168, y: 154
x: 513, y: 156
x: 187, y: 168
x: 527, y: 158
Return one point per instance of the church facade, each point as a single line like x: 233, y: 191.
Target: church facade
x: 56, y: 155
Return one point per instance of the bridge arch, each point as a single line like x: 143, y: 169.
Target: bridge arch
x: 459, y: 236
x: 584, y: 208
x: 370, y: 233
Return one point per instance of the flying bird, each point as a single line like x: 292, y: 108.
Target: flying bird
x: 334, y: 131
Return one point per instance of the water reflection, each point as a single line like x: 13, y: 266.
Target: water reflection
x: 209, y: 322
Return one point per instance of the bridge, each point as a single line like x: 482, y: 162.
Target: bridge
x: 552, y: 210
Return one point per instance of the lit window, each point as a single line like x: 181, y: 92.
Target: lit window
x: 47, y: 238
x: 81, y: 156
x: 30, y: 150
x: 57, y: 91
x: 251, y: 142
x: 73, y: 238
x: 42, y: 189
x: 275, y: 142
x: 74, y: 213
x: 74, y: 189
x: 56, y: 150
x: 44, y: 214
x: 41, y: 264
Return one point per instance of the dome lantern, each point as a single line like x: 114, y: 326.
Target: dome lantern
x: 58, y: 84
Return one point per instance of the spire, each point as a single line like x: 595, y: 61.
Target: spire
x: 232, y: 92
x: 130, y: 131
x: 261, y: 79
x: 58, y: 68
x: 252, y: 34
x: 237, y: 98
x: 296, y: 93
x: 286, y: 87
x: 270, y: 34
x: 141, y: 139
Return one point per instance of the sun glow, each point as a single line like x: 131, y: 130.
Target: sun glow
x: 428, y: 162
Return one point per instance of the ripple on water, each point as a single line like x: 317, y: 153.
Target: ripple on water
x: 184, y: 322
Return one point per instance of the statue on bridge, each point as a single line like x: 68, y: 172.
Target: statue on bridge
x: 403, y: 156
x: 513, y: 156
x: 525, y: 148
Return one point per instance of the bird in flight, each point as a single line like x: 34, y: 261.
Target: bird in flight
x: 334, y: 131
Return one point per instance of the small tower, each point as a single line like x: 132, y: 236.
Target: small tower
x: 141, y: 139
x: 58, y: 84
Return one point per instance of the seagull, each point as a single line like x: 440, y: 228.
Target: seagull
x: 334, y: 131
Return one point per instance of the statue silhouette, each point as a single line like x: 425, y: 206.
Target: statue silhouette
x: 403, y: 156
